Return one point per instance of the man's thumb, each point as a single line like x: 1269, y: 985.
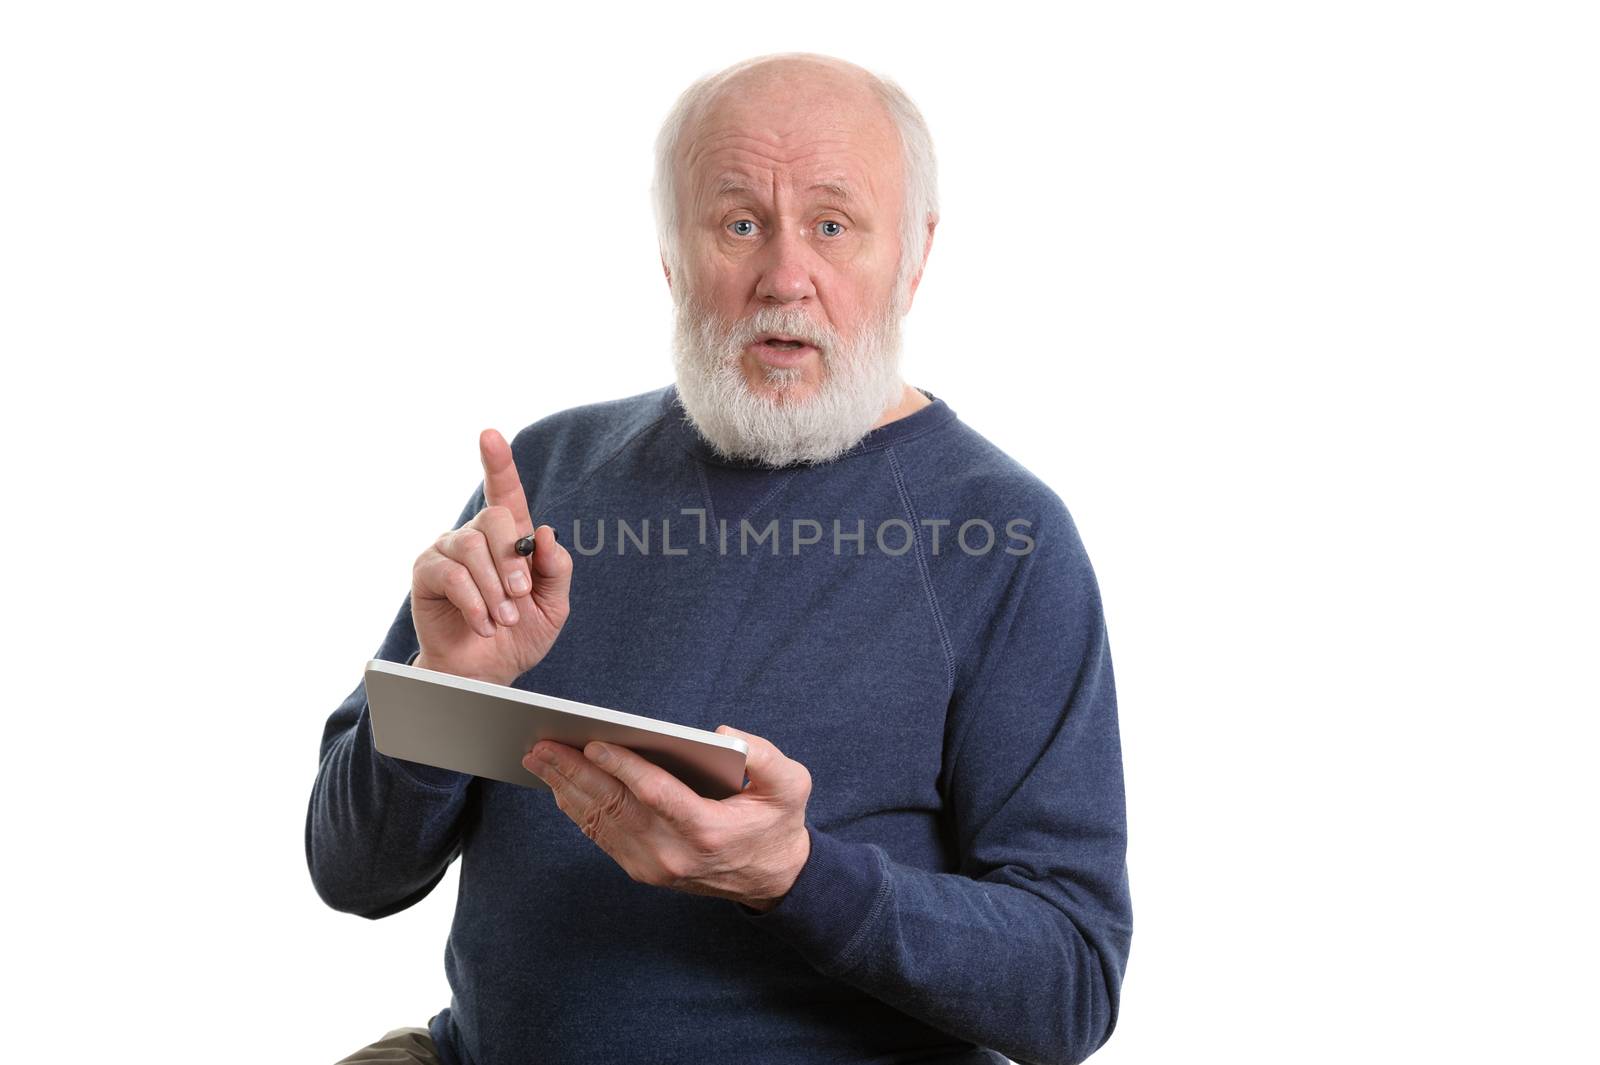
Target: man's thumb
x: 762, y: 760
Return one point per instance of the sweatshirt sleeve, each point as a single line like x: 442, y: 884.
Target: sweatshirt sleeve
x: 381, y: 831
x: 1023, y: 949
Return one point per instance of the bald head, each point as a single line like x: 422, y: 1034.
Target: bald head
x: 794, y: 68
x: 820, y: 88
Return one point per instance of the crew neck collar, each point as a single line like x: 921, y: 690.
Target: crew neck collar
x: 919, y: 421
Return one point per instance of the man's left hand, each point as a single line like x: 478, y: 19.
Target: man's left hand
x: 748, y: 847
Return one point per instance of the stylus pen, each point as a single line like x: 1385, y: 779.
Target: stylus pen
x: 525, y: 545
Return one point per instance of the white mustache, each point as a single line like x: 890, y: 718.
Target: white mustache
x: 784, y: 323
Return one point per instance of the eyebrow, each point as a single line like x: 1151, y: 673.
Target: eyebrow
x: 836, y: 189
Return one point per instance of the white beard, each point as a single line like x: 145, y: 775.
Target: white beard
x: 860, y: 381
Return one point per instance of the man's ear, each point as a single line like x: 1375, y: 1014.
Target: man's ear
x: 927, y: 248
x: 667, y: 270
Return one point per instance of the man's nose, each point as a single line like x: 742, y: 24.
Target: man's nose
x: 786, y: 269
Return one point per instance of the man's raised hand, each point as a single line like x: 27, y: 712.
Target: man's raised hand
x: 481, y: 610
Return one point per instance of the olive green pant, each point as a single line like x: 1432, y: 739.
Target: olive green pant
x: 403, y: 1046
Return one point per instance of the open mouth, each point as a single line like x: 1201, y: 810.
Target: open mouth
x: 782, y: 343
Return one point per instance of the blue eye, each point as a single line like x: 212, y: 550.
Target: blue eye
x: 837, y: 229
x: 742, y: 222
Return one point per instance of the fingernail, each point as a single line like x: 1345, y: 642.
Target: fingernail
x: 508, y: 612
x: 519, y: 582
x: 554, y: 534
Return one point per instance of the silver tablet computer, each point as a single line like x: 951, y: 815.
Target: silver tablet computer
x: 485, y: 729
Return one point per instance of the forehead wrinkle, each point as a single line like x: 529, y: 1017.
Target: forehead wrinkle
x: 775, y: 150
x: 782, y: 150
x: 750, y: 172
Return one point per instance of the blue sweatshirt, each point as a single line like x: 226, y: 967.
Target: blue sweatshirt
x: 917, y: 623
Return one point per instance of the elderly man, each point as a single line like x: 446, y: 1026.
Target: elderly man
x: 928, y: 860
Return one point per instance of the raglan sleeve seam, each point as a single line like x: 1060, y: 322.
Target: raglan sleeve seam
x: 923, y: 566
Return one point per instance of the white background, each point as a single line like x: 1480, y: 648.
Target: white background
x: 1294, y: 305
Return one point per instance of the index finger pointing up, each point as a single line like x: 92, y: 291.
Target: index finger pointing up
x: 502, y: 485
